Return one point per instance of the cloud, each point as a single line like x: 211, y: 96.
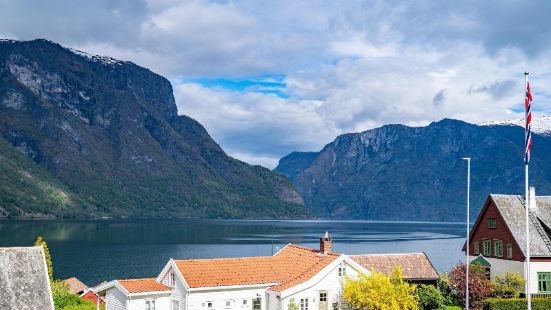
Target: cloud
x: 268, y: 78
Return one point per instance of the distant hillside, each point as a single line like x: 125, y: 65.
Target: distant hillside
x: 397, y: 172
x: 91, y: 136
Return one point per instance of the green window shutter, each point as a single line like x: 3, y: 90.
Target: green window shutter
x: 544, y: 282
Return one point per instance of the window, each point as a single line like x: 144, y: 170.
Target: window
x: 150, y: 305
x: 171, y: 279
x: 257, y: 304
x: 492, y: 223
x: 476, y: 248
x: 304, y: 304
x: 245, y: 302
x: 342, y: 271
x: 209, y: 304
x: 175, y: 305
x: 486, y: 247
x: 509, y: 250
x: 488, y: 273
x: 498, y: 248
x: 229, y: 303
x: 323, y: 296
x: 544, y: 282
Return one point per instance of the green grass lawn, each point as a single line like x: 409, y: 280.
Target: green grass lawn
x: 453, y: 308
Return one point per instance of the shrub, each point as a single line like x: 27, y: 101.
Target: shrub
x: 508, y: 285
x: 480, y: 287
x: 430, y: 298
x: 377, y: 291
x: 293, y: 304
x: 65, y: 300
x: 516, y: 304
x: 450, y: 297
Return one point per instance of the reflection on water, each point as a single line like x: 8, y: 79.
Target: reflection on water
x: 103, y: 250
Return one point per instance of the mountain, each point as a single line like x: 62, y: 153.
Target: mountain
x: 541, y: 124
x: 397, y: 172
x: 91, y: 136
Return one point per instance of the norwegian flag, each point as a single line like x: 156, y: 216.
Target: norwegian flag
x: 528, y: 132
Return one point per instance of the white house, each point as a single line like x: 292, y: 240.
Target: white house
x: 311, y: 278
x: 498, y: 238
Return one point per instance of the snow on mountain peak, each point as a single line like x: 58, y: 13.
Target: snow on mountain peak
x: 541, y: 124
x: 97, y: 58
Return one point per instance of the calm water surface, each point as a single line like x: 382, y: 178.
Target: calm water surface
x: 95, y: 251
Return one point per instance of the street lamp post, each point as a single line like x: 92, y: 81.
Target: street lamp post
x: 468, y: 159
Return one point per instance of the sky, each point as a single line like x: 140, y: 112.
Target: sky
x: 267, y: 78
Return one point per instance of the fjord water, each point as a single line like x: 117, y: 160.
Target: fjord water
x: 95, y: 251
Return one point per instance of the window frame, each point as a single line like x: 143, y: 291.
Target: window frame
x: 486, y: 245
x: 342, y: 271
x: 476, y: 248
x: 255, y: 300
x: 304, y: 305
x: 173, y: 303
x: 172, y: 279
x: 150, y: 304
x: 492, y: 223
x: 496, y: 248
x: 509, y: 247
x: 547, y: 282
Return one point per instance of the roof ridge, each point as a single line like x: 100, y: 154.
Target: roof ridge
x: 138, y: 279
x: 390, y: 254
x: 221, y: 258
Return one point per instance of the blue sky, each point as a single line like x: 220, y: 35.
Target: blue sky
x: 270, y: 77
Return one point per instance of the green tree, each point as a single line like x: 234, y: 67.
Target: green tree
x: 430, y: 298
x: 377, y: 291
x: 40, y: 242
x: 508, y: 285
x: 293, y: 304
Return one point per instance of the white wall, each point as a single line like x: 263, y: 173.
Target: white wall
x: 115, y: 299
x: 502, y: 266
x: 536, y: 267
x: 178, y: 292
x: 138, y: 303
x: 331, y: 283
x: 198, y: 299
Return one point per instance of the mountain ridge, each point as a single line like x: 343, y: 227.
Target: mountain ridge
x: 109, y: 131
x: 397, y: 172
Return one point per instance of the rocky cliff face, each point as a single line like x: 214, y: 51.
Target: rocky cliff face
x: 399, y: 172
x: 109, y: 131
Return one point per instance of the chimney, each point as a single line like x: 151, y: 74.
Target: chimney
x: 325, y: 244
x: 532, y: 199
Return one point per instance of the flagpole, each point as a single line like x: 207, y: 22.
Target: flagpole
x: 468, y: 159
x: 527, y: 205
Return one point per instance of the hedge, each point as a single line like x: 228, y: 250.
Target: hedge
x: 516, y: 304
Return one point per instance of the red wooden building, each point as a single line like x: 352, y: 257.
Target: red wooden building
x: 498, y: 238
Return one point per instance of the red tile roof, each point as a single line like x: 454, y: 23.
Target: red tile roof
x: 290, y: 266
x: 143, y: 285
x: 415, y: 266
x: 75, y: 286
